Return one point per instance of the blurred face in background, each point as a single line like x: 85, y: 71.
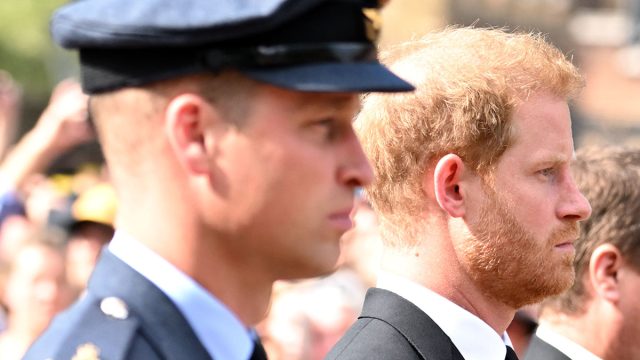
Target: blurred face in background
x: 86, y: 240
x: 362, y: 246
x: 36, y: 286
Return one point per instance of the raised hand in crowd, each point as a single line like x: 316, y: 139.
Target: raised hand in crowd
x: 62, y: 125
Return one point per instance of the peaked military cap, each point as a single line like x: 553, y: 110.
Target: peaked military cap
x: 304, y: 45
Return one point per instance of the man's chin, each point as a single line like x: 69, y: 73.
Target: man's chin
x: 562, y: 280
x: 533, y: 291
x: 323, y: 265
x: 568, y: 275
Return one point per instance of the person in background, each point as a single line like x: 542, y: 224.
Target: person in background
x: 227, y: 130
x: 361, y: 245
x: 62, y: 125
x: 599, y: 316
x: 36, y: 290
x: 93, y: 214
x: 306, y: 318
x: 476, y: 204
x: 26, y: 196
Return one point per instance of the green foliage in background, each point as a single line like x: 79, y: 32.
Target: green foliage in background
x: 26, y: 50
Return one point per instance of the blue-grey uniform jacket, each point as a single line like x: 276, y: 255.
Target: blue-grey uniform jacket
x: 121, y: 316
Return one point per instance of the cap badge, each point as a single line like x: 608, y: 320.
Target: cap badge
x: 372, y: 23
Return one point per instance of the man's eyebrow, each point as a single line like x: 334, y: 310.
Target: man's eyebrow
x: 550, y: 159
x: 334, y: 105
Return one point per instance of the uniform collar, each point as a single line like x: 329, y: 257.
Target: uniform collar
x: 220, y: 331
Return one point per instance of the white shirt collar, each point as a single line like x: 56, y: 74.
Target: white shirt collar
x: 565, y: 345
x: 474, y: 338
x: 217, y: 328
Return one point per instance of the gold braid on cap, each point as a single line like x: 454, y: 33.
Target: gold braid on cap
x: 372, y: 23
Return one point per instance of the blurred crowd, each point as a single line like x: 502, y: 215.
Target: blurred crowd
x: 52, y: 226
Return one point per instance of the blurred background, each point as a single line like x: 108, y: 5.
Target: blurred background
x: 30, y: 58
x: 602, y: 37
x: 55, y: 176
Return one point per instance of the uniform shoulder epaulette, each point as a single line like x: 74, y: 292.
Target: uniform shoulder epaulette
x: 90, y: 330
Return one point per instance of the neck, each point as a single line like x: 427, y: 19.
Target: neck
x: 191, y: 247
x: 597, y: 329
x: 433, y: 263
x: 234, y: 281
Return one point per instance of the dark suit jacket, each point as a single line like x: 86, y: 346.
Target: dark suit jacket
x: 151, y: 327
x: 540, y: 350
x: 390, y: 327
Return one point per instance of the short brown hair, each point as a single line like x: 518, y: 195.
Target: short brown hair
x: 609, y: 177
x: 468, y: 83
x: 121, y: 132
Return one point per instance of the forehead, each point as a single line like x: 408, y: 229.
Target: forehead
x: 541, y: 130
x: 35, y: 259
x: 272, y: 97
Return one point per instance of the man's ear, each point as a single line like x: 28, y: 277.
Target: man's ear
x: 605, y: 263
x: 446, y: 185
x: 186, y: 119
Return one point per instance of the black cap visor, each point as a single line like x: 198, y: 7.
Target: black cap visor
x: 332, y: 77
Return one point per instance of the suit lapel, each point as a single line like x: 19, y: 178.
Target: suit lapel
x: 417, y: 327
x: 161, y: 321
x: 541, y: 350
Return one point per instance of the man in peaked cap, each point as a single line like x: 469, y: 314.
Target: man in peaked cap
x: 227, y: 129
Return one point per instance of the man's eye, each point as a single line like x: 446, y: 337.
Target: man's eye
x: 547, y: 172
x: 325, y: 128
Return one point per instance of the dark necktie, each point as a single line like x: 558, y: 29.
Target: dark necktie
x: 511, y: 355
x: 258, y: 351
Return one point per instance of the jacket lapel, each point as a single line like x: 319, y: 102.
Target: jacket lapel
x: 539, y: 349
x: 417, y: 327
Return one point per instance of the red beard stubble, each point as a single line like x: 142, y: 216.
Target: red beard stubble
x: 508, y: 264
